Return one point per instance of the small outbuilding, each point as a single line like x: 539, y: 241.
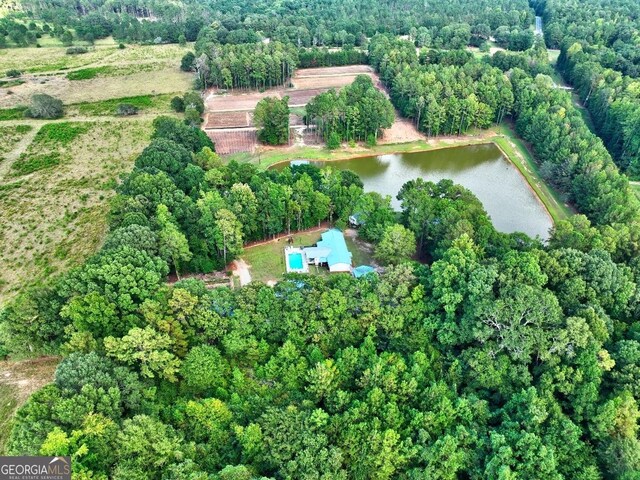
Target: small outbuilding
x: 362, y: 270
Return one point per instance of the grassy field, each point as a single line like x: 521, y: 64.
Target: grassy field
x: 18, y: 380
x: 56, y: 178
x: 147, y: 104
x: 55, y: 59
x: 54, y: 197
x: 105, y: 72
x: 10, y: 136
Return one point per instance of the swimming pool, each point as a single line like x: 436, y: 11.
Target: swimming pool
x: 295, y: 261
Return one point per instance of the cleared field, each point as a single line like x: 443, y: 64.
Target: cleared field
x: 228, y: 120
x: 299, y: 98
x: 233, y: 110
x: 165, y: 81
x: 330, y: 71
x: 18, y: 380
x: 327, y: 82
x: 52, y: 59
x: 10, y: 136
x: 243, y: 140
x: 238, y: 101
x: 48, y: 59
x: 54, y: 198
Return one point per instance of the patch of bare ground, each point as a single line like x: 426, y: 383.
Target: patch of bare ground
x: 18, y: 380
x: 234, y: 141
x: 403, y: 130
x: 332, y: 81
x: 240, y: 269
x: 331, y: 71
x: 54, y: 218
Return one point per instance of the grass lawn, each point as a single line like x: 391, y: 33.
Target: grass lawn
x: 362, y: 253
x: 266, y: 262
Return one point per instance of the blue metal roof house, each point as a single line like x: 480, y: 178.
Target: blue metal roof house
x: 332, y: 250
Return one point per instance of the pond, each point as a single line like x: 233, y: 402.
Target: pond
x: 483, y: 169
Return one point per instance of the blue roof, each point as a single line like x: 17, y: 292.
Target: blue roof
x: 334, y: 240
x: 362, y: 270
x: 319, y: 253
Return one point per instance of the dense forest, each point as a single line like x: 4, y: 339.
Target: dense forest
x: 314, y: 23
x: 608, y: 29
x: 601, y: 59
x: 498, y: 357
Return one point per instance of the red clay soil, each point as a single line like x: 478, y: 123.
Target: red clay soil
x: 233, y: 142
x: 228, y: 120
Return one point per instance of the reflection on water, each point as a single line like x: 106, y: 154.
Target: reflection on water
x: 512, y: 205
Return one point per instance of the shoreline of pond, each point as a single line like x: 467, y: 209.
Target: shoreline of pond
x: 518, y: 164
x: 544, y: 199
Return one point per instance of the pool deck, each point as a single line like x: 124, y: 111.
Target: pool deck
x: 292, y: 250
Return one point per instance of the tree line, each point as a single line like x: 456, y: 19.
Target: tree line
x: 599, y: 57
x: 443, y: 92
x: 316, y: 23
x: 257, y: 66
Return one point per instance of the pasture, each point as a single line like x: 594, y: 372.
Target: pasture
x: 103, y: 73
x: 54, y: 196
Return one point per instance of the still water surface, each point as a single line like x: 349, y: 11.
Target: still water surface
x: 505, y: 194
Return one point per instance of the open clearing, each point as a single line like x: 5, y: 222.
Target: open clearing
x: 229, y: 122
x: 18, y: 380
x: 168, y: 80
x: 110, y: 72
x: 56, y: 177
x: 54, y: 196
x: 265, y: 260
